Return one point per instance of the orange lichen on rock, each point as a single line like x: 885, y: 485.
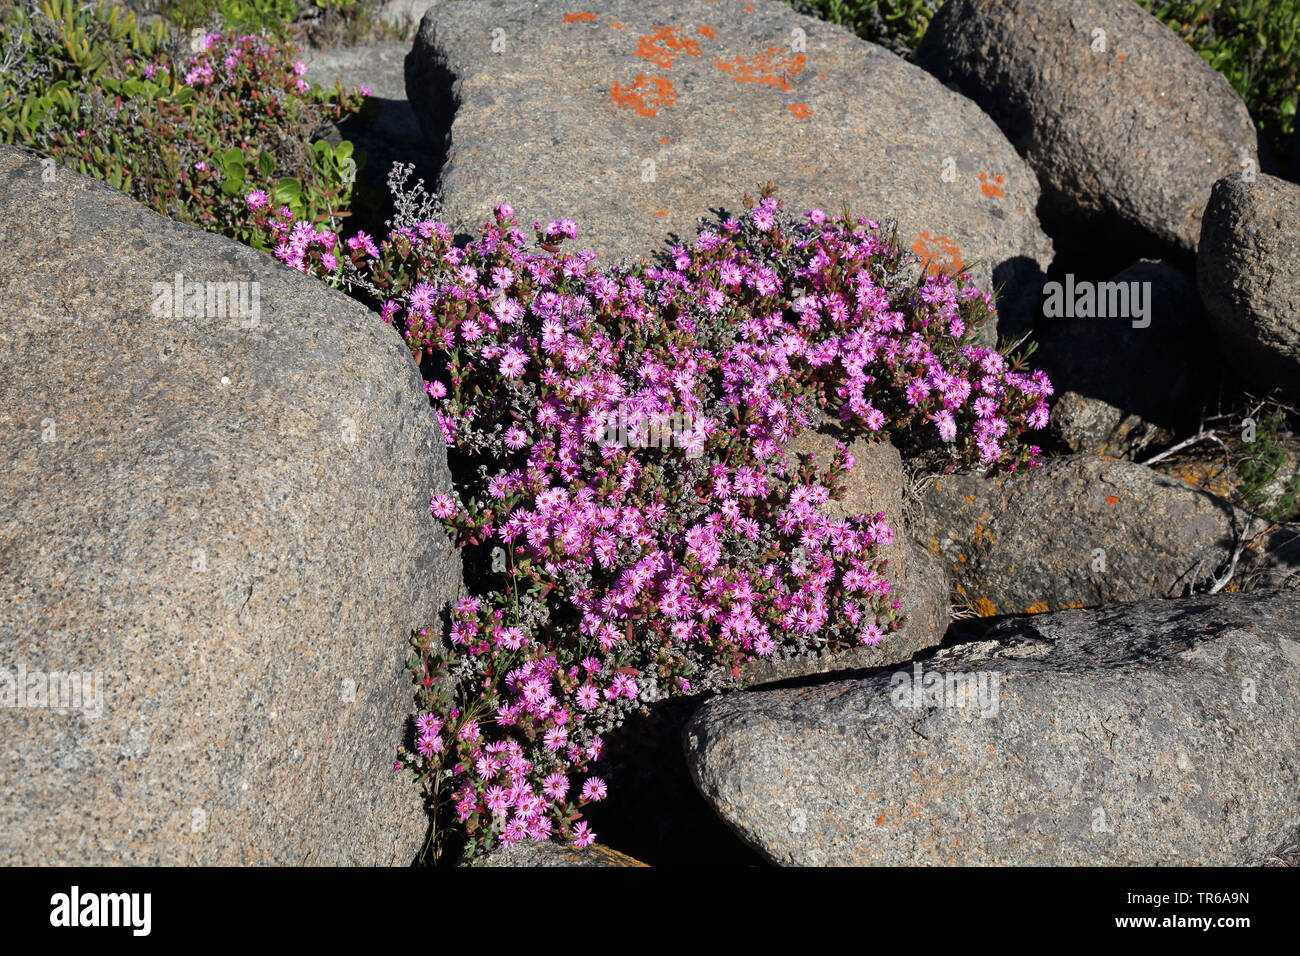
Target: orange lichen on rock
x: 766, y: 68
x: 984, y: 607
x: 578, y: 17
x: 709, y: 32
x: 801, y: 110
x: 939, y: 253
x: 661, y: 46
x: 659, y: 90
x: 1038, y: 607
x: 1111, y: 499
x: 988, y: 188
x: 614, y: 24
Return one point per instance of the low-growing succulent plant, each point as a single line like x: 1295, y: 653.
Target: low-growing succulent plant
x: 184, y: 125
x: 624, y: 567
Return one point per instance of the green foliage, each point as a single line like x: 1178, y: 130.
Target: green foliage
x: 244, y: 16
x: 187, y: 125
x: 897, y: 25
x: 1259, y: 472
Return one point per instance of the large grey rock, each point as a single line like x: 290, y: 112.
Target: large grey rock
x: 1084, y: 531
x: 223, y: 517
x: 1248, y: 273
x: 1128, y: 384
x: 642, y: 117
x: 1126, y: 126
x: 1156, y: 733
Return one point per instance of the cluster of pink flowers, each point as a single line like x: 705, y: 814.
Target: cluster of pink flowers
x: 625, y: 572
x: 219, y: 56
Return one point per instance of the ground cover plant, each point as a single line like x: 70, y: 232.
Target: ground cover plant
x: 184, y: 124
x: 648, y: 535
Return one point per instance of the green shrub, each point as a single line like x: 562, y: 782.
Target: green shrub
x: 1270, y: 486
x: 897, y: 25
x: 187, y: 126
x: 245, y: 16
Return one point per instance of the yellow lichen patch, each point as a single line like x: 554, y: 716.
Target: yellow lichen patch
x: 939, y: 254
x: 984, y: 607
x: 1038, y: 607
x: 769, y: 68
x: 665, y: 43
x: 992, y: 189
x: 646, y: 95
x: 1212, y: 475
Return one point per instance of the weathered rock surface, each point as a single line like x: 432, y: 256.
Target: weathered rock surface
x: 551, y: 854
x: 640, y: 117
x: 1154, y: 733
x: 1248, y: 273
x: 1083, y: 531
x: 1262, y: 475
x: 1125, y: 125
x: 875, y: 483
x: 220, y: 514
x: 1128, y: 384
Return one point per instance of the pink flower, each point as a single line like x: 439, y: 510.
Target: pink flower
x: 594, y: 789
x: 442, y: 506
x: 556, y: 786
x: 513, y: 362
x: 582, y: 835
